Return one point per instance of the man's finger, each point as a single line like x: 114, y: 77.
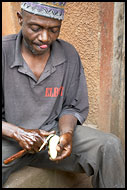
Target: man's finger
x: 61, y: 157
x: 46, y: 133
x: 60, y: 147
x: 65, y: 153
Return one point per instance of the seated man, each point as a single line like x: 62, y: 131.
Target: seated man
x: 45, y: 92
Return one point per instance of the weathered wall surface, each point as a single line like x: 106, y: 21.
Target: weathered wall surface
x: 9, y: 18
x: 81, y: 28
x: 118, y: 73
x: 105, y: 59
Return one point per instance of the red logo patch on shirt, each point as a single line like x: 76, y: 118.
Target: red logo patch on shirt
x: 54, y: 92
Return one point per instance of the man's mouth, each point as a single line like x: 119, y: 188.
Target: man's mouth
x: 43, y: 46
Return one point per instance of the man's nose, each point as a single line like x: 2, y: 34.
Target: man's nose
x: 44, y: 36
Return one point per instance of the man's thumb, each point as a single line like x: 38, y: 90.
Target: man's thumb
x: 46, y: 133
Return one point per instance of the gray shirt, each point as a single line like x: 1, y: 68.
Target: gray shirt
x: 61, y: 88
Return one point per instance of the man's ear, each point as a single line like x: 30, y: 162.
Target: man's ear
x: 20, y: 18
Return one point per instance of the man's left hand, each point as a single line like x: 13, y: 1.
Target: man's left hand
x: 64, y: 148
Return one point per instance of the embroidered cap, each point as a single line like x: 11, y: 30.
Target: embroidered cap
x: 48, y: 9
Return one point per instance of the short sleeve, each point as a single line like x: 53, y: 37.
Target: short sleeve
x: 76, y: 101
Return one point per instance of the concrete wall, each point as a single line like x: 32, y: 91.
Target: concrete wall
x: 96, y: 30
x: 82, y: 29
x: 9, y: 18
x: 117, y: 120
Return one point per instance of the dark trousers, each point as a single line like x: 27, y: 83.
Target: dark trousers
x: 94, y: 152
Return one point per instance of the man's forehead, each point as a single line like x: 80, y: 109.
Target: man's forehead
x: 53, y: 10
x: 32, y: 19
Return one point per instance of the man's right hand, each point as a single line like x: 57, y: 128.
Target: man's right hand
x: 31, y: 139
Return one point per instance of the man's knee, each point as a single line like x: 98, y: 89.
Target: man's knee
x: 111, y: 143
x: 6, y: 171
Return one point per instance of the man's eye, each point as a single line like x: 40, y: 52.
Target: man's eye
x: 35, y: 29
x: 54, y: 30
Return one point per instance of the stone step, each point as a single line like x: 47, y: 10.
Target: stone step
x: 30, y: 177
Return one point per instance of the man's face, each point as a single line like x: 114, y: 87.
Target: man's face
x: 38, y: 32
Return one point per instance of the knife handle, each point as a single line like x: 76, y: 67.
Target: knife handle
x: 14, y: 156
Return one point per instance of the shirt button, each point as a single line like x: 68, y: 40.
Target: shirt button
x: 33, y: 86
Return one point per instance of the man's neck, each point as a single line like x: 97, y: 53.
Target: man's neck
x: 36, y: 63
x: 33, y: 58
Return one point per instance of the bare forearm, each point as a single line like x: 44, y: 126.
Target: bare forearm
x: 29, y: 139
x: 9, y: 129
x: 67, y: 123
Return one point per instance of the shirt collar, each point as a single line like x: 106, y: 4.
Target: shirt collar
x: 57, y: 53
x: 18, y: 56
